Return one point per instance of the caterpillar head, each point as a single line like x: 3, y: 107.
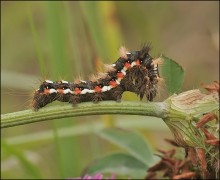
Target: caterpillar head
x: 142, y: 55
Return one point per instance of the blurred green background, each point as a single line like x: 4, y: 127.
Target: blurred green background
x: 65, y: 40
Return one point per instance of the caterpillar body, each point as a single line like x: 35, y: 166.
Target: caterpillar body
x: 134, y: 71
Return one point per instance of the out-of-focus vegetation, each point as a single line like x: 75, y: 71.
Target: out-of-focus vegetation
x: 62, y: 40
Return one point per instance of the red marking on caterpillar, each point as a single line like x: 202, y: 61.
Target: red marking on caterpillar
x: 98, y: 89
x: 112, y: 84
x: 77, y: 91
x: 120, y: 75
x: 134, y: 71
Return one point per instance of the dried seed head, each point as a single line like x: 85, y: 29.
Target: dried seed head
x: 202, y: 161
x: 214, y: 87
x: 206, y: 118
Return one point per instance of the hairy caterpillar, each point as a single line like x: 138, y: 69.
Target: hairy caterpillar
x: 134, y: 71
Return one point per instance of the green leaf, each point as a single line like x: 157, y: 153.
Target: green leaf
x: 173, y: 74
x: 119, y: 164
x: 130, y: 141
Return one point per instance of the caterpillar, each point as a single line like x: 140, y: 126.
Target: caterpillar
x: 134, y: 71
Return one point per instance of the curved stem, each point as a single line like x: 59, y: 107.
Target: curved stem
x: 157, y: 109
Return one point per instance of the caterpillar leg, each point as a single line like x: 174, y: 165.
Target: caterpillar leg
x: 115, y: 94
x: 97, y: 97
x: 74, y: 100
x: 118, y: 95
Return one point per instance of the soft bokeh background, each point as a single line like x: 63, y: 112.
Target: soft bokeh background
x: 64, y: 40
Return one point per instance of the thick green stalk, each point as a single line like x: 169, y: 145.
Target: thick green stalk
x: 157, y: 109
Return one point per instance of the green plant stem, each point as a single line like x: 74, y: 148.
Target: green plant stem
x: 157, y: 109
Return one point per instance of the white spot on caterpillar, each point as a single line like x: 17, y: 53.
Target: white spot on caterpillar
x: 49, y: 81
x: 105, y: 88
x: 125, y: 68
x: 90, y: 91
x: 128, y: 53
x: 52, y: 91
x: 113, y: 65
x: 83, y: 81
x: 155, y: 68
x: 84, y: 91
x: 109, y: 88
x: 133, y: 64
x: 66, y: 82
x: 118, y: 80
x: 66, y: 91
x: 123, y: 71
